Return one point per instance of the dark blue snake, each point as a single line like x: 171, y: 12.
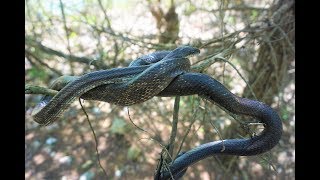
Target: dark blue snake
x: 167, y: 73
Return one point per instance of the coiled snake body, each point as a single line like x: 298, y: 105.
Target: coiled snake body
x: 167, y: 73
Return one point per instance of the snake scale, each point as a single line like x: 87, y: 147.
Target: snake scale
x: 166, y: 73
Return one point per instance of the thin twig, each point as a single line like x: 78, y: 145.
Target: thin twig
x: 188, y: 130
x: 220, y: 136
x: 234, y: 67
x: 30, y: 54
x: 286, y: 38
x: 106, y: 18
x: 236, y: 8
x: 166, y: 165
x: 269, y: 162
x: 67, y: 33
x: 220, y: 56
x: 95, y: 139
x: 135, y: 124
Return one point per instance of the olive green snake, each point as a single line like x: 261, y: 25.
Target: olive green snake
x: 166, y: 73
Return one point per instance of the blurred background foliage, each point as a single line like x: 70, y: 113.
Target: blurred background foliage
x: 247, y: 45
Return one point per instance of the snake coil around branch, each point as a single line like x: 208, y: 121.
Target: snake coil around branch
x: 165, y: 73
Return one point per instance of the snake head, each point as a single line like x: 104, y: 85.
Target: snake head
x: 183, y: 52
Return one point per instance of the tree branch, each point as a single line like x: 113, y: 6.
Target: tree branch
x: 174, y: 125
x: 236, y: 8
x: 67, y: 33
x: 30, y: 55
x: 32, y: 89
x: 72, y: 58
x: 106, y: 18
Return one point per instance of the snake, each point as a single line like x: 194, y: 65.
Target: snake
x: 166, y: 74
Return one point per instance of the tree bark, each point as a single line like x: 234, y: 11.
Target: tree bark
x: 167, y: 23
x: 276, y: 53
